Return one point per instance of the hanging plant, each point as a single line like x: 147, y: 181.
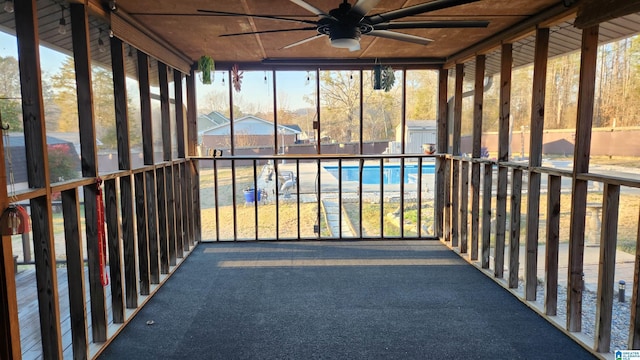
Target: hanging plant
x: 236, y: 77
x: 206, y: 66
x: 388, y: 78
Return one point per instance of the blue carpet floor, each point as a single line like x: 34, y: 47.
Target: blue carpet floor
x: 336, y: 300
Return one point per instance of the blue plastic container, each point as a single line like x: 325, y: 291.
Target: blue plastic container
x: 250, y: 195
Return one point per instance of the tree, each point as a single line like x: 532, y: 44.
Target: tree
x: 10, y: 108
x: 340, y: 104
x: 65, y: 97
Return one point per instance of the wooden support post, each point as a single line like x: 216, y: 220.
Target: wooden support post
x: 75, y: 274
x: 634, y: 326
x: 455, y: 203
x: 535, y: 159
x: 514, y: 238
x: 152, y: 226
x: 124, y: 163
x: 86, y: 121
x: 478, y: 100
x: 503, y: 155
x: 170, y: 175
x: 441, y: 148
x: 446, y: 226
x: 457, y: 110
x: 582, y: 151
x: 115, y: 251
x: 143, y: 240
x: 486, y: 216
x: 179, y: 108
x: 165, y: 118
x: 553, y: 244
x: 464, y: 207
x: 607, y: 267
x: 163, y: 227
x: 145, y: 108
x: 192, y: 113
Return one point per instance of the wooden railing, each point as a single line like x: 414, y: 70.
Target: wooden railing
x: 336, y: 201
x: 525, y: 281
x: 152, y: 218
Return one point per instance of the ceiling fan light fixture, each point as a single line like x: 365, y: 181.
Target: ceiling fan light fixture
x: 345, y: 37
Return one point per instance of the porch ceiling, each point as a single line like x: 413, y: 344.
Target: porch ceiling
x: 196, y: 34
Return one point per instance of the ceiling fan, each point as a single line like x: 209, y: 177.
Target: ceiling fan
x: 345, y: 24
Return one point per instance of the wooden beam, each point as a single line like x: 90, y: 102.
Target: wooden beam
x: 514, y: 237
x: 582, y: 150
x: 165, y: 118
x: 536, y: 127
x: 170, y: 177
x: 594, y: 12
x: 607, y: 267
x: 546, y: 16
x: 88, y: 151
x: 441, y: 148
x: 486, y: 216
x: 179, y: 108
x: 457, y: 109
x: 553, y: 245
x: 75, y: 274
x: 448, y: 189
x: 476, y: 147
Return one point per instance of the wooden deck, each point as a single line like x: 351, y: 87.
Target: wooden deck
x: 28, y: 313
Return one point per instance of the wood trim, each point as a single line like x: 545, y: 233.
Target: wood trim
x: 501, y: 220
x: 514, y: 235
x: 478, y: 98
x: 553, y: 245
x: 607, y: 267
x: 128, y: 242
x: 448, y: 188
x: 170, y: 175
x: 441, y: 146
x: 582, y: 151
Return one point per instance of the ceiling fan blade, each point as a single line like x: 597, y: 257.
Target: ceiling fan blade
x: 303, y: 41
x: 267, y: 31
x: 305, y: 5
x: 400, y: 36
x: 431, y: 24
x: 415, y: 10
x: 362, y: 7
x: 268, y: 17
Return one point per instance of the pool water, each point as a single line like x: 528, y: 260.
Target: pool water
x: 371, y: 173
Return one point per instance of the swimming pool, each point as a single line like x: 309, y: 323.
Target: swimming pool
x: 371, y: 173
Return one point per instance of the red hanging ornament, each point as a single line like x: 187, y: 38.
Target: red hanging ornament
x: 236, y: 77
x: 102, y: 243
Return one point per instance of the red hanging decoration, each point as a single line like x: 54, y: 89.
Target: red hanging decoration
x: 236, y: 77
x: 102, y: 244
x: 14, y: 220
